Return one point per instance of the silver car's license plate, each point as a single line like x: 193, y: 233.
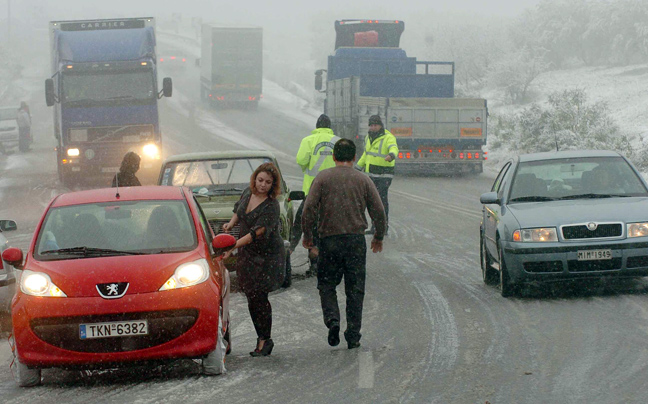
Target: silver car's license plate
x: 113, y: 329
x: 590, y: 255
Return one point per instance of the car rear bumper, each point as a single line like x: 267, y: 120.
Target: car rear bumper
x: 182, y: 323
x: 557, y: 261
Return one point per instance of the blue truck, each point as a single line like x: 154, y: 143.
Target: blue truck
x: 369, y: 74
x: 104, y: 90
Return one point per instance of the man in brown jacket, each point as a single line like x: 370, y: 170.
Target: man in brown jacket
x: 338, y: 199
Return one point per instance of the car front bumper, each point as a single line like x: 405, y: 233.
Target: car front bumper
x: 543, y: 262
x: 182, y: 323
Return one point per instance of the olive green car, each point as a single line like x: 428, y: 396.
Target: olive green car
x: 217, y: 180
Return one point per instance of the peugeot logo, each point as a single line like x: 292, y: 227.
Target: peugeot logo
x: 591, y: 226
x: 113, y: 290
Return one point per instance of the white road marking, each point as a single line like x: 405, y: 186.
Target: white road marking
x: 366, y: 369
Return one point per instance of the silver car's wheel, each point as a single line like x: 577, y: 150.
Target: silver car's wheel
x: 214, y: 363
x: 507, y: 288
x: 489, y: 274
x: 24, y: 376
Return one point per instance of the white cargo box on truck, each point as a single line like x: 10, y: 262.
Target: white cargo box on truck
x: 440, y: 134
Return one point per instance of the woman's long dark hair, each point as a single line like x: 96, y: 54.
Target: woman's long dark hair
x: 275, y: 189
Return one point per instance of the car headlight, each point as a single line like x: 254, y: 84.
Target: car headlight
x: 151, y: 151
x: 637, y: 229
x: 189, y: 274
x: 39, y: 284
x: 539, y: 235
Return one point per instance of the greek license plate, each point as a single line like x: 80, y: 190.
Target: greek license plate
x: 109, y: 169
x: 590, y: 255
x: 113, y: 329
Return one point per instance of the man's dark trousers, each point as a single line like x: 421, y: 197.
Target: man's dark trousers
x: 382, y: 185
x: 343, y: 256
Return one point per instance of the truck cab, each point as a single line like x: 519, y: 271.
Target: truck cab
x: 104, y: 89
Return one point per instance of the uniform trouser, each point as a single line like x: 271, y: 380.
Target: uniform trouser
x: 382, y: 185
x: 296, y: 232
x: 261, y: 313
x: 343, y: 256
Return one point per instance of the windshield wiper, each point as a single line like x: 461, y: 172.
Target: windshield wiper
x: 121, y: 97
x: 594, y: 196
x: 532, y: 199
x: 85, y: 251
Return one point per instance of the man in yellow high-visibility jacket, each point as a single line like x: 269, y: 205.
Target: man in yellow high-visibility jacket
x: 379, y: 159
x: 315, y: 154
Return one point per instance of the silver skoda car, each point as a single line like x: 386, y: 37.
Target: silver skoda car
x: 564, y: 215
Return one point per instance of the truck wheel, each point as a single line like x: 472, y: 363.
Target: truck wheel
x: 288, y: 279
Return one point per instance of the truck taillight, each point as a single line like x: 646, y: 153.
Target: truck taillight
x: 461, y: 156
x: 485, y: 157
x: 408, y: 155
x: 476, y: 156
x: 400, y: 154
x: 469, y: 156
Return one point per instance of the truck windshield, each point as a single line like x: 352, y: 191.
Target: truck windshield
x: 108, y: 87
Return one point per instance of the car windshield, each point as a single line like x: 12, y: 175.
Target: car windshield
x: 575, y: 178
x: 212, y: 177
x: 116, y: 228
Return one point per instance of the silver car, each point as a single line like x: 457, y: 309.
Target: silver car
x: 564, y: 215
x: 7, y: 272
x: 9, y: 133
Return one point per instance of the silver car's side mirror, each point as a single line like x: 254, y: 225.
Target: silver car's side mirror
x: 489, y: 198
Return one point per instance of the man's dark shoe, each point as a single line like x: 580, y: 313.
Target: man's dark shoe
x: 353, y: 345
x: 334, y: 335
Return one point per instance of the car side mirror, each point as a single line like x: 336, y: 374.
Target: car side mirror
x: 8, y: 225
x: 13, y: 256
x: 489, y: 198
x: 50, y: 95
x: 296, y: 196
x: 223, y: 243
x: 167, y: 87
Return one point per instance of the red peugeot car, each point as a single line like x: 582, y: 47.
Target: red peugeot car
x: 116, y: 276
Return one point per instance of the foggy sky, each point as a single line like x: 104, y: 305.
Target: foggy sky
x: 260, y: 12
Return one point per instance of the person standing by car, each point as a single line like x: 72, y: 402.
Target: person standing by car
x: 338, y: 199
x: 261, y: 257
x: 378, y: 160
x: 24, y: 128
x: 314, y: 156
x: 126, y: 175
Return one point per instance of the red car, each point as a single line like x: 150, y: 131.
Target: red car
x: 124, y: 275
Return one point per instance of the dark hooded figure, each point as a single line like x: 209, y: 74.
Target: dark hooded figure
x: 126, y: 175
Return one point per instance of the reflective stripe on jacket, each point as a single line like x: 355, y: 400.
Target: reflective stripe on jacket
x: 316, y: 154
x: 373, y: 159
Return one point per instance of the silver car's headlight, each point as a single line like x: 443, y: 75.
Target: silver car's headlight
x: 637, y: 229
x: 539, y: 235
x: 188, y: 274
x: 39, y: 284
